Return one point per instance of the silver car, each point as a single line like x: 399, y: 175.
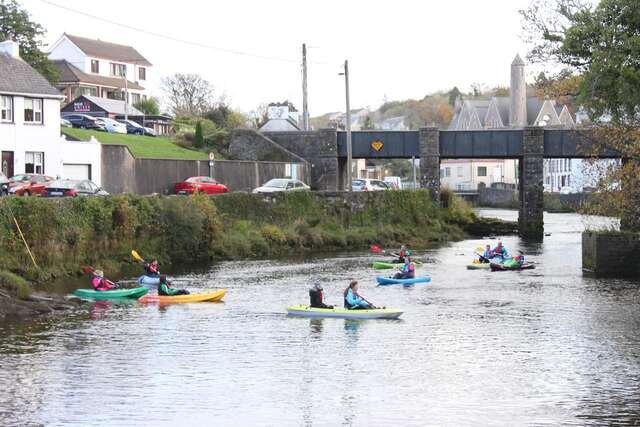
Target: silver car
x: 282, y: 184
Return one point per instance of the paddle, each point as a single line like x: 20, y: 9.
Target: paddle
x: 136, y: 256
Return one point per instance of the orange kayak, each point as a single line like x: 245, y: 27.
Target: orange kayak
x: 208, y: 296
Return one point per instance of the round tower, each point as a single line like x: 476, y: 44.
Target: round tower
x: 518, y: 94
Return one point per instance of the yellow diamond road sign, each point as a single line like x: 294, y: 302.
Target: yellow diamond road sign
x: 377, y: 145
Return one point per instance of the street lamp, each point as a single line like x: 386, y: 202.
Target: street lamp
x: 348, y: 126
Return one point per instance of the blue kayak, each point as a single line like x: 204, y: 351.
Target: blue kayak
x: 382, y: 281
x: 149, y: 282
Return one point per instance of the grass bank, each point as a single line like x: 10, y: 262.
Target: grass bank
x: 65, y: 234
x: 140, y: 146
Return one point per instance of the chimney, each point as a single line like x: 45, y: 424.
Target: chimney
x: 518, y: 92
x: 10, y: 47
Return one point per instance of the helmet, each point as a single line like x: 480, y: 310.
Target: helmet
x: 99, y: 273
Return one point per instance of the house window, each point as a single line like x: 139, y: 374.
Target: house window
x: 116, y: 94
x: 32, y: 110
x: 142, y: 73
x: 447, y: 172
x: 83, y: 90
x: 95, y: 66
x: 119, y: 70
x: 6, y: 109
x: 459, y: 171
x: 34, y: 162
x: 135, y: 98
x: 482, y: 171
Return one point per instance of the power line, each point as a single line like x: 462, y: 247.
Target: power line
x: 175, y: 39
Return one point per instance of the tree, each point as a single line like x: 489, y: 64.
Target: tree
x: 602, y: 43
x: 453, y: 95
x: 148, y: 106
x: 16, y: 25
x: 188, y: 94
x: 368, y: 123
x: 198, y: 139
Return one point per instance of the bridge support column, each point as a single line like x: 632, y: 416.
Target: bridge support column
x: 430, y: 161
x: 530, y: 168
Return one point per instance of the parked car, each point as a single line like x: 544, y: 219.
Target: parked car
x: 200, y: 184
x: 281, y: 184
x: 83, y: 121
x: 28, y: 184
x: 65, y: 123
x: 393, y: 182
x: 567, y: 190
x: 4, y: 184
x: 135, y: 128
x: 112, y: 126
x: 73, y: 188
x: 368, y: 185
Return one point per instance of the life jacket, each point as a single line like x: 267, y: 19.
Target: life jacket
x: 316, y: 297
x: 500, y: 250
x: 99, y: 284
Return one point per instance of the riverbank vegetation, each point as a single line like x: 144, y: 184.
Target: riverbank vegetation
x: 66, y: 234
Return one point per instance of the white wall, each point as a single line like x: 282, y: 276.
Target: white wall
x: 464, y: 173
x: 21, y: 137
x: 82, y: 153
x: 69, y: 52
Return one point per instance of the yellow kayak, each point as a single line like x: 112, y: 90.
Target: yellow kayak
x: 208, y: 296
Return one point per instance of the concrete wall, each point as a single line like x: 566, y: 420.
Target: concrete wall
x: 530, y: 218
x: 494, y: 197
x: 122, y: 173
x: 611, y: 254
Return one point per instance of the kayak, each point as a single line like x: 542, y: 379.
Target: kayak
x: 116, y: 293
x: 478, y: 266
x: 502, y: 267
x: 150, y: 282
x: 208, y: 296
x: 382, y: 281
x: 380, y: 265
x: 343, y: 313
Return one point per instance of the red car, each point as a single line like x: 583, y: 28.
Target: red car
x: 28, y: 184
x: 203, y: 184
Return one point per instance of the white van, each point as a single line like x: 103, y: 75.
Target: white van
x: 394, y: 182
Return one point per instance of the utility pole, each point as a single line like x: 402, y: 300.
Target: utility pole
x: 305, y: 107
x: 349, y: 150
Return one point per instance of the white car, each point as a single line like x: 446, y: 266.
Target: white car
x: 112, y: 126
x: 282, y: 184
x: 368, y: 185
x: 567, y: 190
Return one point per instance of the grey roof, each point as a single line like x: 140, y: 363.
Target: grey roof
x: 71, y: 74
x: 517, y: 60
x: 16, y: 76
x: 392, y: 123
x: 106, y: 50
x: 279, y: 125
x: 113, y: 105
x: 534, y: 105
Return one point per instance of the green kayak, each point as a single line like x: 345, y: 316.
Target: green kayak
x: 379, y: 265
x: 116, y: 293
x: 478, y: 266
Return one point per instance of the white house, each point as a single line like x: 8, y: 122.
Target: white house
x: 98, y: 68
x: 466, y: 174
x: 30, y: 125
x: 29, y: 117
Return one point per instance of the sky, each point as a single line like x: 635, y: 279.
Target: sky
x: 396, y: 49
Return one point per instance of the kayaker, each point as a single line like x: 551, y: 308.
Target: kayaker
x: 520, y: 258
x: 151, y: 268
x: 165, y: 289
x: 500, y: 251
x: 407, y: 271
x: 316, y: 297
x: 352, y: 300
x: 487, y: 255
x: 401, y: 254
x: 100, y: 283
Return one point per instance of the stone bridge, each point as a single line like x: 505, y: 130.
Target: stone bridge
x: 326, y: 152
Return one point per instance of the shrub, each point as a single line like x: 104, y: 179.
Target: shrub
x: 15, y: 284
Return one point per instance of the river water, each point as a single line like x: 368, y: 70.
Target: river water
x: 541, y: 347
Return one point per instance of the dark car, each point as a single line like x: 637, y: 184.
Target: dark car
x: 200, y: 184
x: 73, y: 188
x: 28, y: 184
x: 83, y: 121
x: 135, y: 128
x: 4, y: 184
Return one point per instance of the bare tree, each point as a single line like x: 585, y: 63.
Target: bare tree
x: 188, y: 94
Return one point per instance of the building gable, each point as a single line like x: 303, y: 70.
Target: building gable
x: 547, y: 115
x: 493, y: 119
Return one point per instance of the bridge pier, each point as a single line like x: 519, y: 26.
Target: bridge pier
x: 530, y: 173
x: 429, y: 143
